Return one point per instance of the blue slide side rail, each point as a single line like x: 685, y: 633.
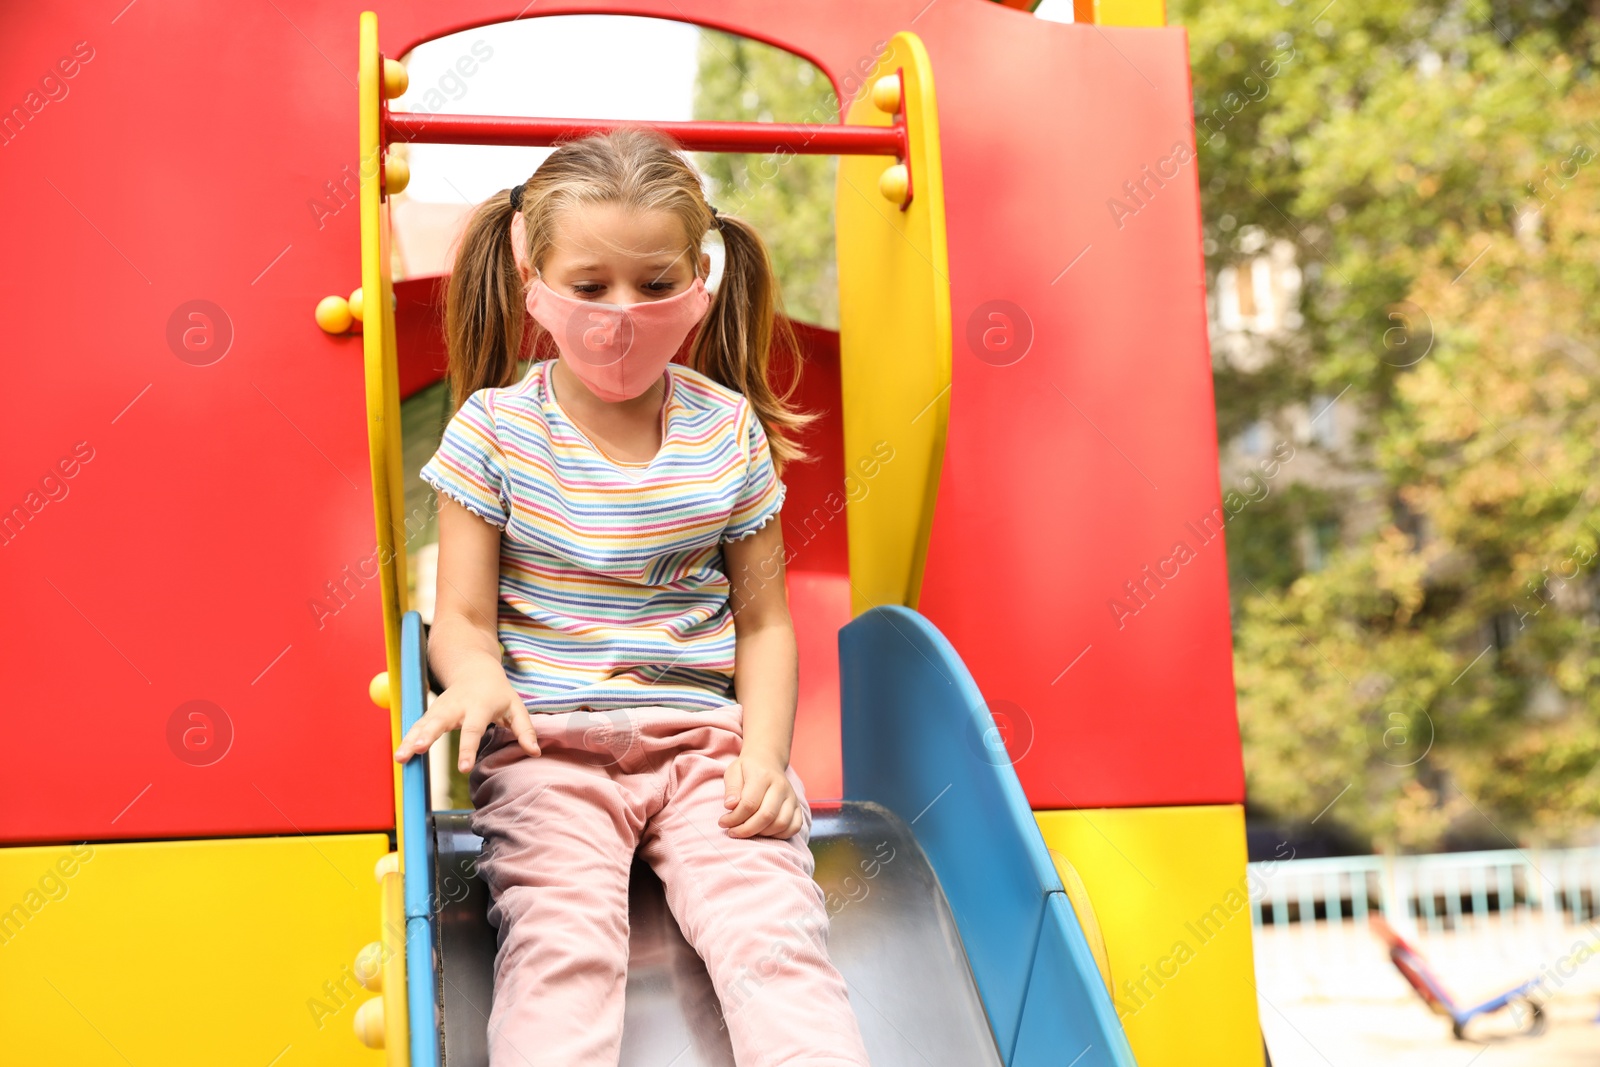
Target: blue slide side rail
x: 420, y: 977
x: 919, y: 739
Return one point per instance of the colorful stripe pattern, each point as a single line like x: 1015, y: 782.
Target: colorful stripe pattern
x: 613, y: 589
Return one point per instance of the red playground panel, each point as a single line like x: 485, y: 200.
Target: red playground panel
x: 815, y: 546
x: 1081, y: 455
x: 189, y: 529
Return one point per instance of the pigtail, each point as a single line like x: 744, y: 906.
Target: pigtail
x: 735, y: 342
x: 484, y: 311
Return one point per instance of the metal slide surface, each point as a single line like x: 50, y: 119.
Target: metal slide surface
x: 891, y: 936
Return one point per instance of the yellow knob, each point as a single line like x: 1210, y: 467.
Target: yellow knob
x: 333, y: 314
x: 369, y: 1023
x: 355, y: 313
x: 395, y: 79
x: 396, y: 175
x: 886, y: 93
x: 369, y: 966
x: 378, y: 688
x: 895, y: 183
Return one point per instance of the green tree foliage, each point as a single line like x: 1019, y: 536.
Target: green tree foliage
x: 1437, y: 168
x: 787, y: 197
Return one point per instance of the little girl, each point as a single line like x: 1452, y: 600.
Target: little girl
x: 611, y: 621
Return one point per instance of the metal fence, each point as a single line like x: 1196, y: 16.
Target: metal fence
x: 1457, y: 891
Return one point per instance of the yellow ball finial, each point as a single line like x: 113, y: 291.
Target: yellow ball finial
x: 395, y: 79
x: 396, y: 174
x: 378, y: 688
x: 369, y: 1023
x: 369, y: 966
x: 333, y: 314
x: 895, y: 183
x: 357, y: 305
x: 886, y: 93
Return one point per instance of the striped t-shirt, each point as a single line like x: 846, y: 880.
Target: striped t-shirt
x: 613, y: 588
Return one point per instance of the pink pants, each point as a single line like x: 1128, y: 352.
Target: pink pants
x: 560, y: 831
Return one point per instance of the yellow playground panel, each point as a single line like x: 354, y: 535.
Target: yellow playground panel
x: 1173, y: 903
x: 251, y: 942
x: 894, y: 334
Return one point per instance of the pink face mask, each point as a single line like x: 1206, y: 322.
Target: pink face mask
x: 618, y: 350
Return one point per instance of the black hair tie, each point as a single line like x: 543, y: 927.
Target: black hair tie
x: 716, y: 219
x: 516, y: 198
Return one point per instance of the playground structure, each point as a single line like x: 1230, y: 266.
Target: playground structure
x: 1032, y: 707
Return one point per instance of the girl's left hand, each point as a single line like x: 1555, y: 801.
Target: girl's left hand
x: 763, y: 802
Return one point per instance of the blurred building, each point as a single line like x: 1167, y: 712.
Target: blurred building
x: 1305, y: 453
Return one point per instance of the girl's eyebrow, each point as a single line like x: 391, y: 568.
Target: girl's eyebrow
x: 662, y: 269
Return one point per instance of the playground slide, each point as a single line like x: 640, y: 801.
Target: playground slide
x: 948, y: 919
x: 891, y: 936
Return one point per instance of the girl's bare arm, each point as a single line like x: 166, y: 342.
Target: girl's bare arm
x: 766, y: 684
x: 464, y: 643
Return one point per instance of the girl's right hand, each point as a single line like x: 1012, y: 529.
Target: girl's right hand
x: 478, y: 698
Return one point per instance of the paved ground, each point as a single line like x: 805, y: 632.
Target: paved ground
x: 1332, y: 999
x: 1373, y: 1033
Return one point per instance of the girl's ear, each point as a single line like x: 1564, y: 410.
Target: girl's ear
x: 705, y: 264
x: 519, y: 246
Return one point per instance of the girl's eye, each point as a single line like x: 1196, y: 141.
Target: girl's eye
x: 660, y: 287
x: 587, y: 290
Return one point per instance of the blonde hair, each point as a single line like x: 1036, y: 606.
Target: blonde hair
x: 639, y: 169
